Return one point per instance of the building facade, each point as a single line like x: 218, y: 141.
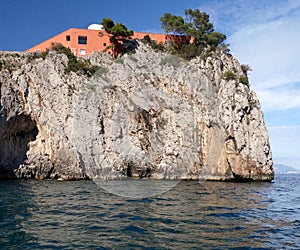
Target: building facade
x: 83, y: 42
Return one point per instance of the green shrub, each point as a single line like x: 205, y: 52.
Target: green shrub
x: 159, y: 47
x: 244, y: 80
x: 9, y: 65
x: 152, y: 43
x: 74, y: 64
x: 85, y: 67
x: 35, y: 55
x: 229, y: 75
x: 146, y: 39
x: 4, y: 65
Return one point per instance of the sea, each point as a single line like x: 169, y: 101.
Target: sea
x: 188, y: 215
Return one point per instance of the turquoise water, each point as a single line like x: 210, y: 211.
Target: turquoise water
x: 192, y: 215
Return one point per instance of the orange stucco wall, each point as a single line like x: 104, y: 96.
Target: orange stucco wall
x: 97, y: 40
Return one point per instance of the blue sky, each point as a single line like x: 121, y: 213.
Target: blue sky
x: 262, y: 33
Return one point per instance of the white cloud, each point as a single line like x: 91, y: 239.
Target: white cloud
x: 271, y: 48
x: 268, y: 40
x: 264, y: 34
x: 279, y: 98
x: 229, y: 15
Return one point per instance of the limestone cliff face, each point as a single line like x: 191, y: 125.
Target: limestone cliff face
x: 147, y: 114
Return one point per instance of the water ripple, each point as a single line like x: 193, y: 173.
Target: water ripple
x: 193, y: 215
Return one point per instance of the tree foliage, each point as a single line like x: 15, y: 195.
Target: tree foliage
x: 107, y: 24
x: 172, y: 24
x: 245, y: 68
x: 119, y: 30
x: 197, y: 27
x: 119, y: 34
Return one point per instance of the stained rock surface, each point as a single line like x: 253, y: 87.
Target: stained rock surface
x: 145, y: 115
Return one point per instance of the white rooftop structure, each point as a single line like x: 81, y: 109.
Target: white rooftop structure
x: 95, y: 26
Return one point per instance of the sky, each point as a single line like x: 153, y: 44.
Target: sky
x: 262, y: 33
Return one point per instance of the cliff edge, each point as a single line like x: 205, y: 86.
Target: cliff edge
x: 144, y: 115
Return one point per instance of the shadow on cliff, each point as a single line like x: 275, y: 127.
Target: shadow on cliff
x: 15, y: 135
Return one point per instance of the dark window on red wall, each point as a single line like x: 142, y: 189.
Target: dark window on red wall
x: 68, y: 38
x: 82, y: 40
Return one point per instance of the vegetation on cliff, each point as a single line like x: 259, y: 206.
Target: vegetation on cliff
x: 120, y: 36
x: 196, y: 29
x: 75, y: 64
x: 188, y: 38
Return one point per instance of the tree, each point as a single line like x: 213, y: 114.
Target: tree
x: 107, y: 24
x: 245, y: 68
x: 119, y: 34
x: 172, y: 24
x: 195, y: 25
x: 120, y: 31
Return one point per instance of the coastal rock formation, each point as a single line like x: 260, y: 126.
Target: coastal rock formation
x: 145, y: 115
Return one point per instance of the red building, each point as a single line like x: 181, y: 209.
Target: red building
x: 86, y: 41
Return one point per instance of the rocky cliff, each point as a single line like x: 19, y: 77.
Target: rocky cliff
x: 147, y: 114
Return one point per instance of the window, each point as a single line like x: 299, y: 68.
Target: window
x: 82, y: 52
x: 104, y: 44
x: 68, y: 38
x: 82, y: 40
